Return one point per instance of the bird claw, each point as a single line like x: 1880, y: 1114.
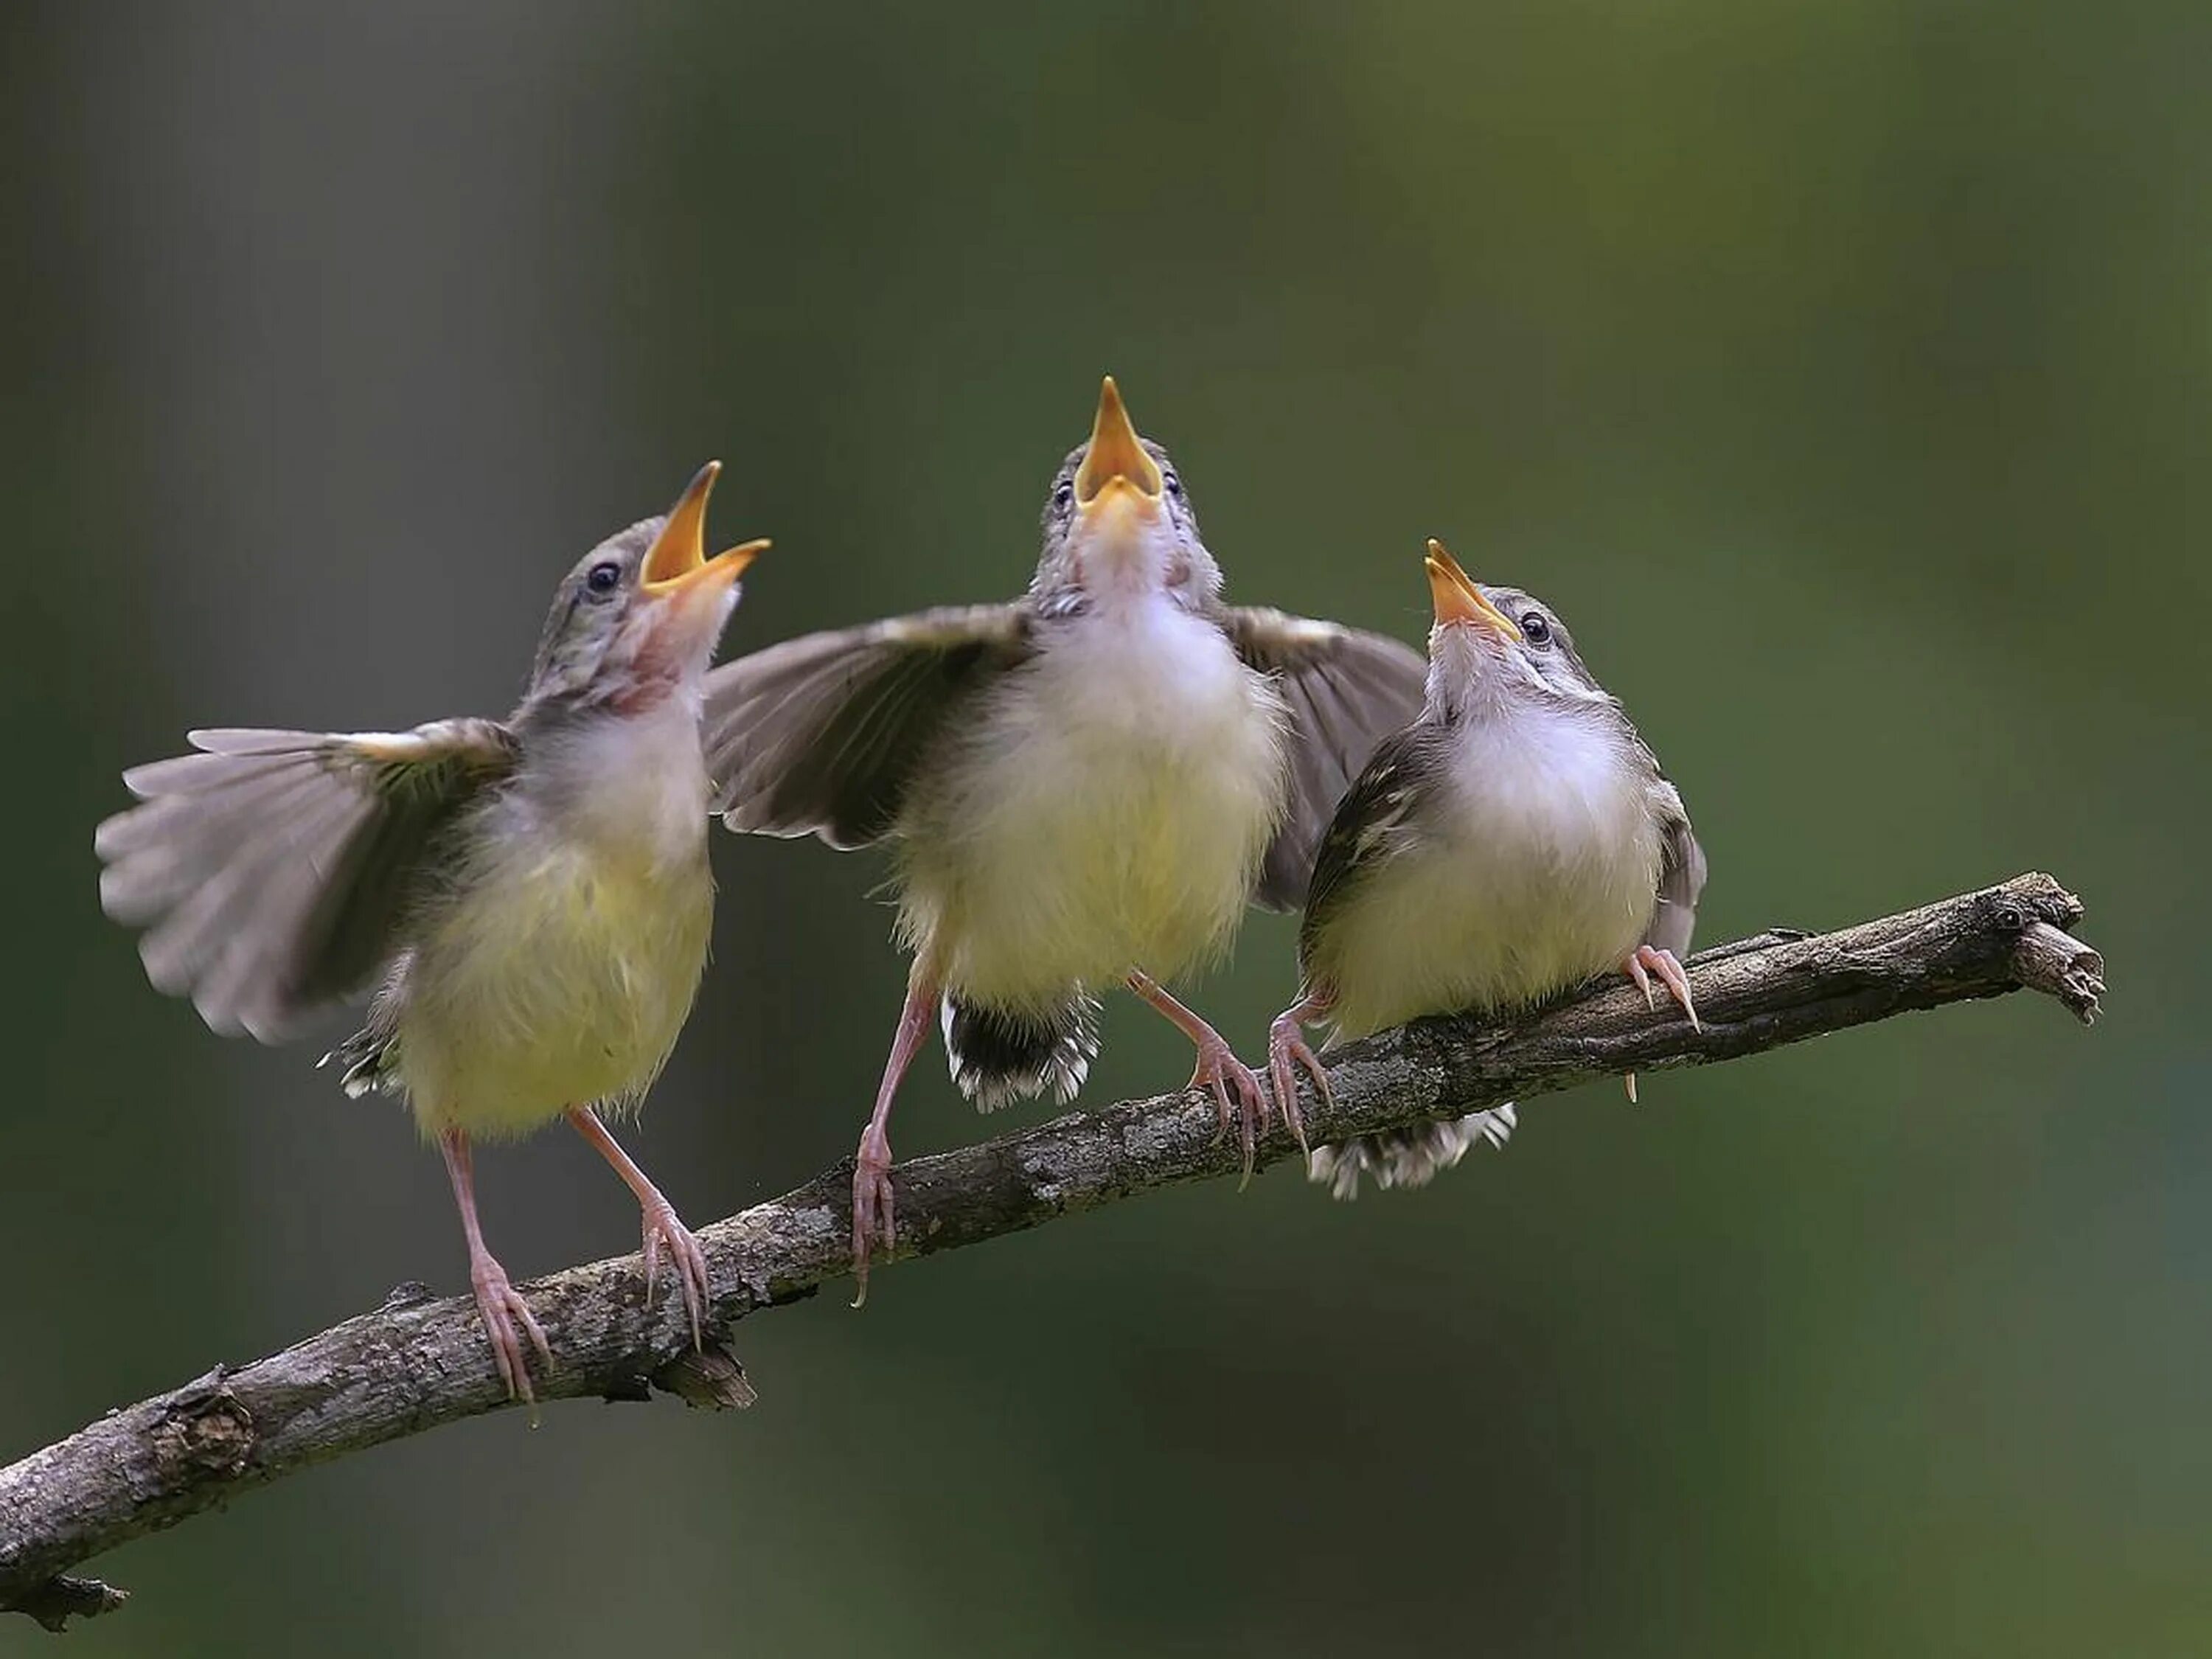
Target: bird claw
x: 1287, y: 1051
x: 663, y: 1229
x: 1646, y: 960
x: 499, y: 1305
x: 874, y: 1219
x: 1221, y: 1073
x: 1643, y: 963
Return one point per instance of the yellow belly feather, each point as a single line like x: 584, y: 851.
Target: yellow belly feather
x: 557, y: 982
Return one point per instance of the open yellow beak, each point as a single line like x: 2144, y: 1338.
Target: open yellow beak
x: 1457, y: 599
x: 1115, y: 457
x: 677, y: 563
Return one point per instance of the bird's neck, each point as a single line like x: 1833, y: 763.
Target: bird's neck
x: 1537, y: 765
x: 631, y: 785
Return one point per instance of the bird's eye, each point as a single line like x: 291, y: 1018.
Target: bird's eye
x: 1535, y: 630
x: 1174, y: 485
x: 603, y: 577
x: 1063, y: 495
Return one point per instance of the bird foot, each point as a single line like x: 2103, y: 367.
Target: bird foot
x: 1643, y: 963
x: 665, y: 1230
x: 874, y: 1220
x: 1646, y: 960
x: 1221, y: 1074
x: 1287, y: 1053
x: 500, y: 1305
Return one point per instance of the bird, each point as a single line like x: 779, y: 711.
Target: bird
x: 1083, y: 787
x: 1515, y: 841
x: 528, y: 899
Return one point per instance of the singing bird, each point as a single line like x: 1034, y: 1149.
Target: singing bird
x: 530, y: 898
x: 1515, y: 841
x: 1081, y: 789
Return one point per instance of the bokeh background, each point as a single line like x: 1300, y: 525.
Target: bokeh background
x: 1841, y: 371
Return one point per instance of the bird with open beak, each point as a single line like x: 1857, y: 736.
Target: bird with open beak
x: 1515, y: 841
x: 529, y: 898
x: 1082, y: 788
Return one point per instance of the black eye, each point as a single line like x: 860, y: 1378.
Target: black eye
x: 604, y: 577
x: 1535, y: 630
x: 1174, y: 486
x: 1063, y: 495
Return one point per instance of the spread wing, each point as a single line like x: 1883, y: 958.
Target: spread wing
x: 270, y: 867
x: 1346, y: 690
x: 820, y: 735
x: 1681, y: 874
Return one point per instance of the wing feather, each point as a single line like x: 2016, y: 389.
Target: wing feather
x: 1366, y: 827
x: 820, y: 735
x: 1346, y: 690
x: 1682, y: 875
x: 271, y: 867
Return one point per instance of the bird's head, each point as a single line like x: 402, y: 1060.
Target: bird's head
x: 1118, y: 523
x: 1490, y: 642
x: 639, y: 617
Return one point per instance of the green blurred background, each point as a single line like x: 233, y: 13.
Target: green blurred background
x: 1841, y: 372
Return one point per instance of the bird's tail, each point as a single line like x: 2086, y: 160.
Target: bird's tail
x: 999, y: 1055
x: 1406, y: 1158
x: 366, y: 1058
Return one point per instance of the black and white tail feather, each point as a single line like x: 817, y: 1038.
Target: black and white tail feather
x: 1406, y: 1158
x: 998, y: 1056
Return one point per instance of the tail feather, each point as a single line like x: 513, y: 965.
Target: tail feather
x: 1406, y: 1158
x: 369, y: 1054
x: 999, y: 1055
x: 367, y: 1057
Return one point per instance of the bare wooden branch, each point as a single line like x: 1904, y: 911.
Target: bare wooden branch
x: 419, y: 1361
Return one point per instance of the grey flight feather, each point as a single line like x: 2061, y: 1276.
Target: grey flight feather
x: 271, y: 867
x: 820, y: 735
x: 1681, y: 877
x: 1345, y: 690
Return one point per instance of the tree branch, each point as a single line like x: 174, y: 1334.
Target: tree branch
x: 418, y: 1361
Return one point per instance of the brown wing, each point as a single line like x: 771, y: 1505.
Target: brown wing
x: 270, y: 868
x: 820, y: 735
x: 1346, y: 690
x: 1370, y: 825
x: 1682, y: 875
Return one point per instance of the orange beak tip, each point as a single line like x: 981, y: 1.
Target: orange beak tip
x: 1115, y: 450
x: 737, y: 559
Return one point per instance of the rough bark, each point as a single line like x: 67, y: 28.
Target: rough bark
x: 420, y: 1360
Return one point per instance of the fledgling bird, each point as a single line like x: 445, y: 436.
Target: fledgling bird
x: 1516, y: 840
x: 1081, y: 789
x: 530, y: 897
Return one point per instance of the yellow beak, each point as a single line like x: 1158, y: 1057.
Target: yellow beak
x: 677, y: 563
x: 1116, y: 456
x: 1457, y: 599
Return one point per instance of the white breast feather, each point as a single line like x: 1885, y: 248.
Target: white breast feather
x: 1108, y: 811
x: 1537, y: 870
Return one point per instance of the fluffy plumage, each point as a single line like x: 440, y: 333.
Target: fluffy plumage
x: 1099, y: 776
x: 530, y: 897
x: 1515, y: 841
x: 1085, y: 786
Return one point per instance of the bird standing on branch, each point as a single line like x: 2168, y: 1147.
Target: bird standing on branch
x: 531, y: 897
x: 1083, y: 787
x: 1515, y: 840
